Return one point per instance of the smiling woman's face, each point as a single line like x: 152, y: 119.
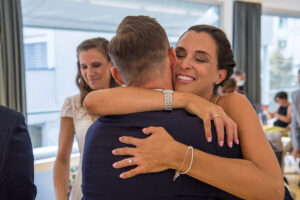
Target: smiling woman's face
x: 95, y: 69
x: 196, y: 69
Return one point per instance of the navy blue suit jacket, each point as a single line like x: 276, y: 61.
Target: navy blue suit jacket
x: 16, y: 157
x: 101, y: 180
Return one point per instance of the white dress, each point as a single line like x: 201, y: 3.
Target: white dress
x: 82, y: 121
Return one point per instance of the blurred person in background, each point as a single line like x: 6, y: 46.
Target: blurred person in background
x: 295, y: 125
x: 93, y: 73
x: 240, y: 79
x: 284, y: 112
x: 283, y: 115
x: 229, y: 86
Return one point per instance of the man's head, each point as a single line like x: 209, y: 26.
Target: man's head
x: 139, y: 50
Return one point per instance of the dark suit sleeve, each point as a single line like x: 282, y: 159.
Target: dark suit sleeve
x: 18, y: 182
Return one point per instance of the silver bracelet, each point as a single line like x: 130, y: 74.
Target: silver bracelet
x: 178, y: 172
x: 168, y: 99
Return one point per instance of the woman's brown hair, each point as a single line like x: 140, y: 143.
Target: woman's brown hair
x: 224, y: 50
x: 101, y: 45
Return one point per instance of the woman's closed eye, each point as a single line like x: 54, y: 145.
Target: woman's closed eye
x: 179, y: 55
x: 83, y: 66
x: 97, y: 64
x: 201, y: 59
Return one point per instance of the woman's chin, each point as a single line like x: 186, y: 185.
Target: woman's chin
x: 182, y: 88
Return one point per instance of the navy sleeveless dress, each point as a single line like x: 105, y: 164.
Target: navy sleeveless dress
x: 282, y: 111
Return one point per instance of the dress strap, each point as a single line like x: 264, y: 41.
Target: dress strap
x: 216, y: 100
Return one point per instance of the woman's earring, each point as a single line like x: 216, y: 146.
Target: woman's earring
x: 217, y: 82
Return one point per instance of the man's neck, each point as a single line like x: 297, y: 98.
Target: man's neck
x: 161, y: 82
x: 158, y: 85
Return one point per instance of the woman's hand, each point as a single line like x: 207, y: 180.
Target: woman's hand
x: 152, y: 154
x: 208, y: 111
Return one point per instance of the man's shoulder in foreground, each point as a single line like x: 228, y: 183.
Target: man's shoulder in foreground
x: 16, y: 157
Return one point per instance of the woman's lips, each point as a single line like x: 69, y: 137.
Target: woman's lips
x: 184, y: 78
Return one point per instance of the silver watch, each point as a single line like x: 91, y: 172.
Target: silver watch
x: 168, y: 99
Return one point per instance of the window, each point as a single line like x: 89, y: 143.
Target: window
x: 280, y: 60
x: 52, y: 33
x: 35, y: 55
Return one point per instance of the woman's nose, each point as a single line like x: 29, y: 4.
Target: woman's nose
x: 185, y: 63
x: 90, y: 71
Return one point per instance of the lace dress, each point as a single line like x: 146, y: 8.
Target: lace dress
x: 82, y: 122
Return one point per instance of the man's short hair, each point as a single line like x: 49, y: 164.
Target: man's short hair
x: 139, y: 49
x: 281, y: 95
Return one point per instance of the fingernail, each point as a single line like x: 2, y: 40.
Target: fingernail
x: 113, y: 151
x: 221, y: 143
x: 121, y: 175
x: 144, y: 129
x: 209, y: 139
x: 120, y: 138
x: 237, y: 141
x: 114, y: 165
x: 230, y: 144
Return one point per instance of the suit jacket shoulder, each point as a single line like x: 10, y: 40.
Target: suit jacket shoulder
x: 16, y: 157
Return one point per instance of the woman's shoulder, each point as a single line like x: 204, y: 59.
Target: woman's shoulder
x: 233, y: 97
x: 73, y: 97
x: 73, y: 100
x: 233, y: 100
x: 71, y: 105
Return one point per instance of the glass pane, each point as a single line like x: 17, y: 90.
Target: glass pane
x: 279, y: 56
x: 54, y: 28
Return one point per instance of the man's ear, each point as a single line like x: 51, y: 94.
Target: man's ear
x: 116, y: 75
x: 172, y: 57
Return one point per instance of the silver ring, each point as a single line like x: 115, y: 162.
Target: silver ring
x: 130, y: 160
x: 216, y: 115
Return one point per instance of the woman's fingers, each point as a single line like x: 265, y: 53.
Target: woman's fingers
x: 152, y: 130
x: 218, y: 121
x: 124, y: 151
x: 229, y: 132
x: 131, y: 173
x: 235, y: 134
x: 207, y: 129
x: 130, y: 140
x: 125, y: 163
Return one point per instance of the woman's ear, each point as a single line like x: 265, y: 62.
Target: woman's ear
x: 116, y: 75
x: 222, y: 73
x: 172, y: 57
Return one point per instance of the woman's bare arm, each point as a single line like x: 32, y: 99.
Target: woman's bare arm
x: 125, y: 100
x: 62, y: 162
